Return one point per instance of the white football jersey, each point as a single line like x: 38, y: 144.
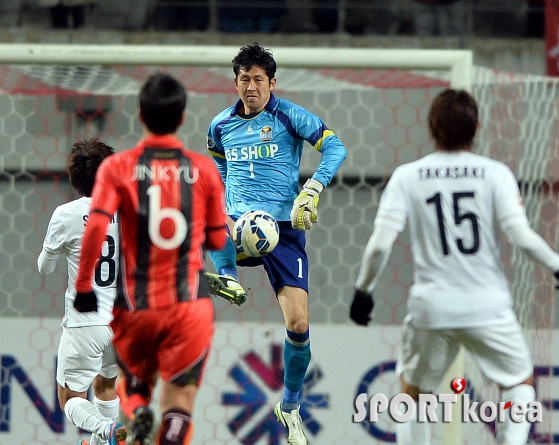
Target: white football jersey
x: 454, y: 203
x: 64, y: 237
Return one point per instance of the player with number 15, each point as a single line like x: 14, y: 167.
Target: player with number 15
x: 454, y: 202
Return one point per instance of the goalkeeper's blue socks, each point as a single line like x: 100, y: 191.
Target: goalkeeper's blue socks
x: 225, y: 260
x: 296, y: 358
x: 290, y: 400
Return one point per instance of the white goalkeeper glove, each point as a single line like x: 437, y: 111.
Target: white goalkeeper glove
x: 303, y: 213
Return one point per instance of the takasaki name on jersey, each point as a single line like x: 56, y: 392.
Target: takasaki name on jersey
x: 452, y: 172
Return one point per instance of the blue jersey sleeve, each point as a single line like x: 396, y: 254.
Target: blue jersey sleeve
x: 312, y: 129
x: 333, y: 154
x: 215, y: 146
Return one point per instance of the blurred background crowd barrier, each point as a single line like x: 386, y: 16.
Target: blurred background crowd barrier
x: 510, y: 18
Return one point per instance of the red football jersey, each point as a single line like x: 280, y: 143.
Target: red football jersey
x: 170, y: 204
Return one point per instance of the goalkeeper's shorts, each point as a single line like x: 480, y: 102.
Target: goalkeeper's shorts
x: 287, y: 264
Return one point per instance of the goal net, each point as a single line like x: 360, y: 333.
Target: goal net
x: 376, y: 102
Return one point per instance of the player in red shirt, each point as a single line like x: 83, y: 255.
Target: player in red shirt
x: 170, y: 207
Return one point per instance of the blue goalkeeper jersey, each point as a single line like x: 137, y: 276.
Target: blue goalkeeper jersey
x: 258, y: 156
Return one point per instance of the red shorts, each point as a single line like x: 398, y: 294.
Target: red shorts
x: 173, y: 341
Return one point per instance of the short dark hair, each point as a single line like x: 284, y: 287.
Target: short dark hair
x: 254, y: 54
x: 453, y: 120
x: 162, y: 102
x: 83, y: 162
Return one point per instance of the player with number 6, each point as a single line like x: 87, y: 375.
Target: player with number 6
x: 257, y: 145
x: 454, y: 201
x: 170, y: 205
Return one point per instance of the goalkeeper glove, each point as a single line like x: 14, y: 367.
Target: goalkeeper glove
x: 361, y: 307
x: 86, y: 302
x: 303, y: 213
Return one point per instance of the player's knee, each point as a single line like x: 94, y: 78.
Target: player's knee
x: 65, y: 394
x: 529, y: 381
x: 102, y: 385
x: 300, y: 325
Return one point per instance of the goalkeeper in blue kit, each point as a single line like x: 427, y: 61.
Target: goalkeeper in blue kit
x: 257, y: 145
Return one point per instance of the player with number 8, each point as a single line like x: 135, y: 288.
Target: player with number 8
x: 85, y: 354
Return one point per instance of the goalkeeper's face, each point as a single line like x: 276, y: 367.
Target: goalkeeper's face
x: 254, y: 88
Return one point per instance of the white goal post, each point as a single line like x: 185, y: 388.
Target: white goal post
x: 458, y: 62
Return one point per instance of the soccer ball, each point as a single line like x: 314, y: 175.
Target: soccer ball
x: 255, y: 233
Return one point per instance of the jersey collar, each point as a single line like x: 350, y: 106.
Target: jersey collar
x: 269, y: 107
x: 160, y: 141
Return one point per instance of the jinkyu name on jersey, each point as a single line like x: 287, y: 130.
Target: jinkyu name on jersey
x: 164, y: 173
x: 452, y: 173
x: 251, y: 152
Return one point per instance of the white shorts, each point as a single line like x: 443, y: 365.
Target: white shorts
x: 84, y: 353
x: 500, y: 352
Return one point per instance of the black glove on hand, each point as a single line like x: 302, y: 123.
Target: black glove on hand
x: 86, y: 302
x: 556, y: 273
x: 361, y: 307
